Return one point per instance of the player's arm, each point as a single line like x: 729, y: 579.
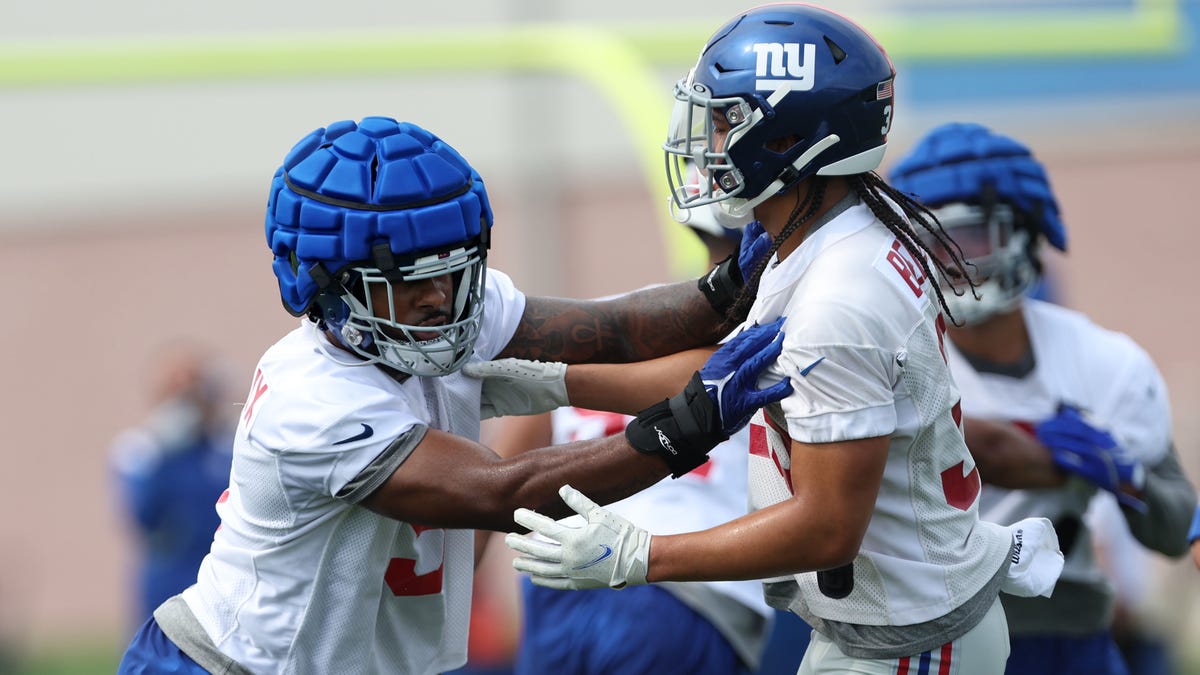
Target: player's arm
x: 820, y: 527
x: 510, y: 437
x: 1141, y: 423
x: 449, y: 481
x: 1009, y: 456
x: 1170, y: 501
x: 637, y: 326
x: 442, y: 480
x: 630, y: 387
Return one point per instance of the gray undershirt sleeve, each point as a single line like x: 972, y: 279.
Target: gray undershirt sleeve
x: 383, y: 466
x: 1171, y: 499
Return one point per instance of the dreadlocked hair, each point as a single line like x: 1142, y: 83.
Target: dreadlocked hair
x: 872, y: 190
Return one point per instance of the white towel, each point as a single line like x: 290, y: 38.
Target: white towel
x: 1036, y: 559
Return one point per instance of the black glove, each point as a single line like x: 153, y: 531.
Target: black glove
x: 681, y: 429
x: 722, y: 285
x: 717, y: 401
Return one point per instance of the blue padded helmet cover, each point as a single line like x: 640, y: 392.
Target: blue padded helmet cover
x: 350, y: 186
x: 961, y: 162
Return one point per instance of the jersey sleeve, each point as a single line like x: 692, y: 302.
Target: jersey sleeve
x: 321, y: 436
x: 842, y: 377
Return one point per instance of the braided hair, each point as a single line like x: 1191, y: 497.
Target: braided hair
x: 874, y: 192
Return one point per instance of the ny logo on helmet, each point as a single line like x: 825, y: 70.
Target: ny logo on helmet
x: 784, y: 66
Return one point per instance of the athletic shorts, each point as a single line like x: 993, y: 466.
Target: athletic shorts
x: 1095, y: 654
x: 982, y: 650
x: 634, y: 631
x: 151, y: 653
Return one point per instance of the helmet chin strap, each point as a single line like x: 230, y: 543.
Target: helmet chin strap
x: 740, y: 208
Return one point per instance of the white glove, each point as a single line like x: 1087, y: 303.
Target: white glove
x: 1036, y: 559
x: 519, y: 387
x: 607, y: 551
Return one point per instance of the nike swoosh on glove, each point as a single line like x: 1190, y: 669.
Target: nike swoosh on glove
x: 1036, y: 559
x: 519, y: 386
x: 606, y: 551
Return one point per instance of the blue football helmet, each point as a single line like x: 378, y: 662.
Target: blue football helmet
x: 994, y: 200
x: 774, y: 72
x: 360, y: 206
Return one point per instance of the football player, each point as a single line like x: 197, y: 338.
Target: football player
x: 346, y: 541
x: 1056, y: 406
x: 866, y: 498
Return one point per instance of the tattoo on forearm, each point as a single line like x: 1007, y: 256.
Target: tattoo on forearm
x: 638, y: 326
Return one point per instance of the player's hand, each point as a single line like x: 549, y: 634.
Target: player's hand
x: 1078, y: 447
x: 731, y: 374
x: 718, y: 401
x: 518, y: 386
x: 752, y: 249
x: 607, y: 551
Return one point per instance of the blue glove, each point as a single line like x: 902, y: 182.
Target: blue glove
x: 731, y: 374
x: 1082, y: 449
x: 717, y: 401
x: 753, y: 248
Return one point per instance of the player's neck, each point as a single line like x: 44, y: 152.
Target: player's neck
x: 774, y: 213
x: 1001, y: 339
x: 335, y: 343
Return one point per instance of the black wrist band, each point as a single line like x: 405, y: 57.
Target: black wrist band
x: 722, y: 285
x: 681, y: 429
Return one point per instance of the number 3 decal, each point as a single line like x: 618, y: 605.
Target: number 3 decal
x: 887, y: 120
x: 402, y: 576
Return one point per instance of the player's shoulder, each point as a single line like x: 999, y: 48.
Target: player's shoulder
x: 304, y: 392
x: 1062, y: 329
x: 865, y: 283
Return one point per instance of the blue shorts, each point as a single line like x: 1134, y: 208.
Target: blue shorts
x: 151, y: 652
x: 1095, y: 654
x: 641, y: 629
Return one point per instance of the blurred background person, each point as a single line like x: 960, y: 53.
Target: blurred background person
x: 170, y: 469
x: 1055, y: 407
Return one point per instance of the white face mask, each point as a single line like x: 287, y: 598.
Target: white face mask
x: 376, y: 334
x: 997, y: 255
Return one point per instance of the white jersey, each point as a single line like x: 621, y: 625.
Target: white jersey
x: 302, y: 579
x: 863, y: 347
x: 1100, y: 371
x: 709, y: 495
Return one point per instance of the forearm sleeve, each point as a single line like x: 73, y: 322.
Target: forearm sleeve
x: 1171, y: 500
